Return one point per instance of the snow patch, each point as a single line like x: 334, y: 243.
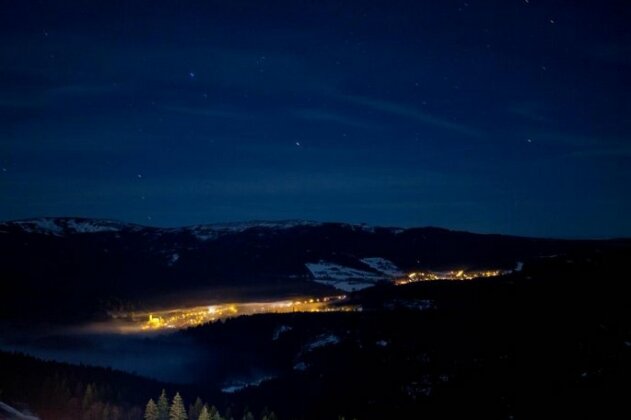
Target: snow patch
x: 214, y: 231
x: 384, y: 266
x: 300, y: 366
x: 173, y: 258
x: 90, y: 227
x: 346, y: 286
x: 329, y: 271
x: 363, y: 227
x: 60, y: 226
x: 420, y: 388
x: 280, y: 331
x: 237, y: 386
x: 341, y: 277
x: 6, y: 411
x: 41, y: 226
x: 322, y: 341
x: 411, y: 304
x: 203, y: 234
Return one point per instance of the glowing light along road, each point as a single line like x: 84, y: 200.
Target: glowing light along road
x: 448, y: 275
x: 178, y: 318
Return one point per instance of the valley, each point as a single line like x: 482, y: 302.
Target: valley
x: 286, y: 315
x: 179, y: 318
x: 173, y: 318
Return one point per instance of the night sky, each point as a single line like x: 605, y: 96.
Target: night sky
x: 505, y: 116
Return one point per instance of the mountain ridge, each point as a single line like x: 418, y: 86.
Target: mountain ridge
x: 92, y: 264
x: 56, y: 225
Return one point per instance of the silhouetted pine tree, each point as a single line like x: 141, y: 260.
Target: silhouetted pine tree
x: 107, y: 410
x: 134, y: 413
x: 95, y: 412
x: 194, y: 410
x: 88, y: 397
x: 116, y: 413
x: 266, y: 414
x: 178, y: 412
x: 163, y: 406
x: 204, y: 414
x: 247, y: 415
x: 228, y: 413
x: 269, y: 416
x: 214, y: 413
x: 151, y: 411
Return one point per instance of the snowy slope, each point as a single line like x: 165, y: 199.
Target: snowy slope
x: 343, y: 278
x: 213, y: 231
x: 385, y: 266
x: 52, y: 226
x: 8, y: 412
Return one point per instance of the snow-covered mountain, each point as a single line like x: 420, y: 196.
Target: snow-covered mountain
x: 89, y: 263
x: 63, y: 226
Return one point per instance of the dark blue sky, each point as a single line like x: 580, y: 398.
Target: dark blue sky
x: 506, y: 116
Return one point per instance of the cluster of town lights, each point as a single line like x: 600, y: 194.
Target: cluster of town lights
x: 193, y: 316
x: 188, y: 317
x: 447, y: 275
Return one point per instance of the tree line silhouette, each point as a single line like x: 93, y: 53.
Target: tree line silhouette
x: 163, y: 410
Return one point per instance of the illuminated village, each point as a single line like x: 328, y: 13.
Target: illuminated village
x: 189, y: 317
x: 447, y: 275
x: 179, y: 318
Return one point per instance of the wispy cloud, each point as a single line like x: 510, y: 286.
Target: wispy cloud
x: 413, y: 113
x: 24, y: 102
x: 530, y: 111
x: 50, y: 96
x: 614, y: 152
x: 333, y: 117
x: 574, y: 140
x: 212, y: 112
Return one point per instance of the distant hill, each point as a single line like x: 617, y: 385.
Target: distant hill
x: 56, y: 268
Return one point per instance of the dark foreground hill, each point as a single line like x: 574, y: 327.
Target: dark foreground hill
x: 63, y: 269
x: 551, y: 341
